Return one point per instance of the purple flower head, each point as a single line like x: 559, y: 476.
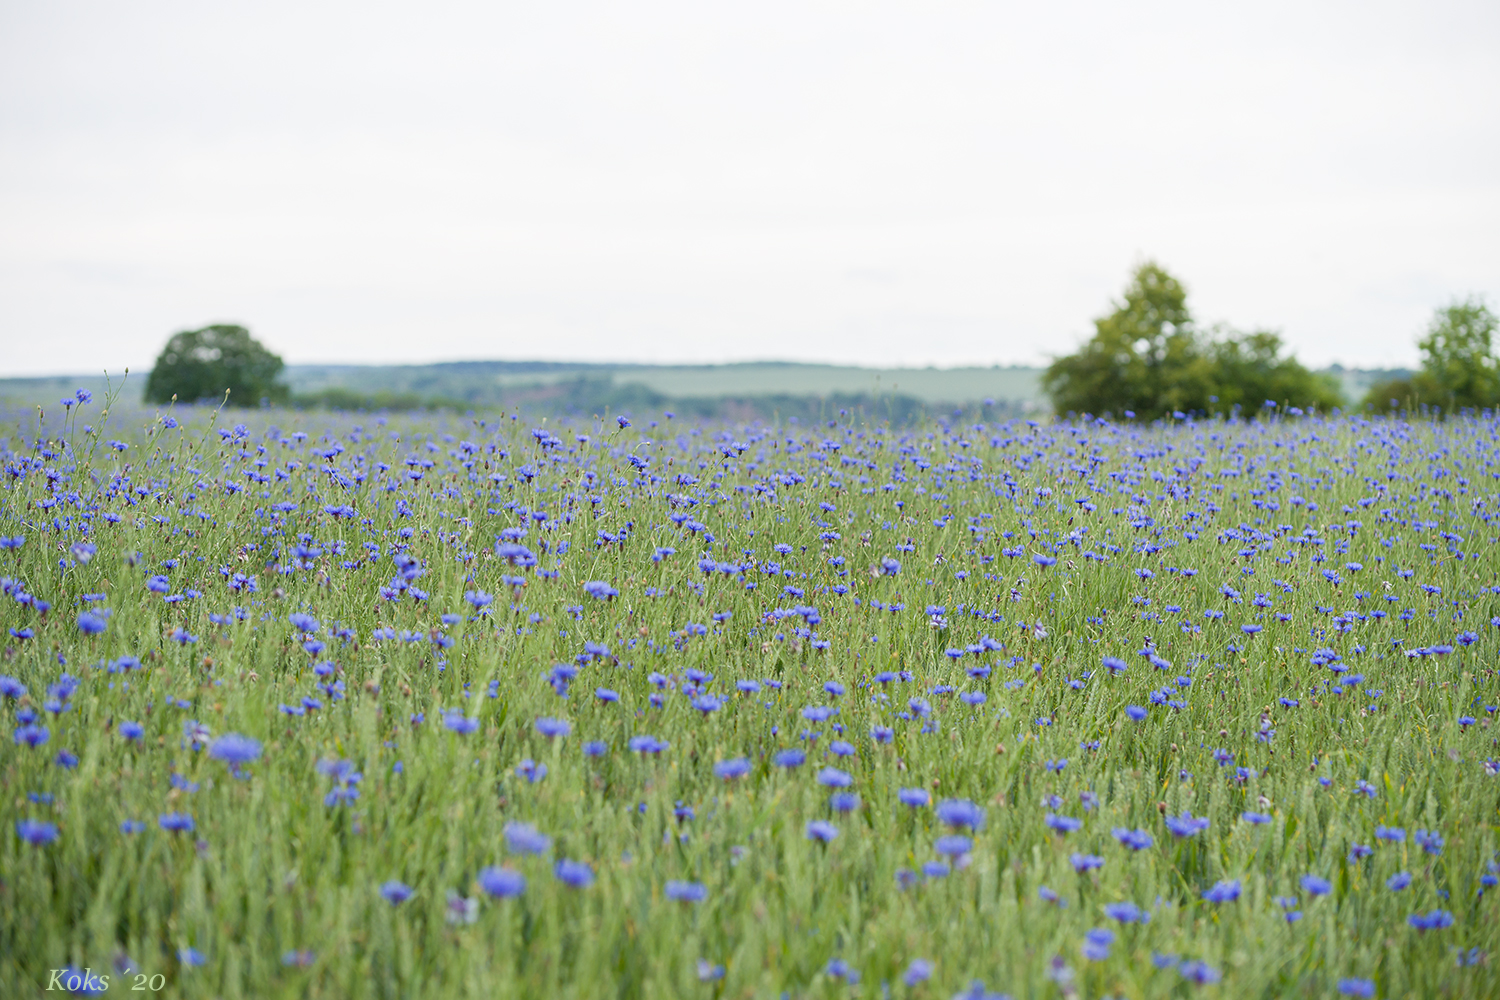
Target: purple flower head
x: 1226, y: 891
x: 1063, y: 824
x: 176, y: 822
x: 821, y: 831
x: 1187, y: 824
x: 961, y: 814
x: 502, y: 883
x: 1434, y: 921
x: 524, y: 838
x: 953, y: 846
x: 914, y: 797
x: 1199, y: 972
x: 919, y: 971
x: 1136, y: 840
x: 832, y: 777
x: 395, y: 892
x: 550, y: 727
x: 35, y: 832
x: 686, y: 892
x: 574, y: 874
x: 647, y: 744
x: 736, y: 767
x: 790, y: 758
x: 1315, y: 885
x: 234, y: 749
x: 1126, y: 913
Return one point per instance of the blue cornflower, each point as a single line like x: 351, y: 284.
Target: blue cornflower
x: 821, y: 831
x: 1436, y: 920
x: 1199, y: 972
x: 832, y: 777
x: 502, y: 883
x: 914, y: 797
x: 395, y: 892
x: 31, y: 735
x: 736, y: 767
x: 1226, y: 891
x: 1315, y: 885
x: 790, y: 758
x: 176, y: 822
x: 35, y: 832
x: 456, y: 721
x: 550, y: 727
x: 234, y: 749
x: 574, y: 874
x: 1096, y: 943
x: 953, y: 845
x: 1136, y: 840
x: 837, y: 968
x: 1126, y: 913
x: 686, y: 892
x: 1084, y: 862
x: 524, y: 838
x: 1063, y: 824
x: 1187, y: 825
x: 647, y: 744
x: 1357, y: 987
x: 960, y: 814
x: 920, y: 970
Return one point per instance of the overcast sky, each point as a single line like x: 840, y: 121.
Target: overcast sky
x: 923, y: 183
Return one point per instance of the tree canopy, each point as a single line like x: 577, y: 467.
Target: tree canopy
x: 1459, y: 367
x: 1148, y: 359
x: 202, y: 364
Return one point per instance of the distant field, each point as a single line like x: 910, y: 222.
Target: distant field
x: 930, y: 385
x: 581, y: 386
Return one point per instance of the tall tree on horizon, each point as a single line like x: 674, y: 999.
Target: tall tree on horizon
x: 203, y: 364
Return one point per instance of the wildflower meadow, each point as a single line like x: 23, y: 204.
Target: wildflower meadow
x: 302, y: 704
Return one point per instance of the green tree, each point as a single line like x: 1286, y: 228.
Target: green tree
x: 1145, y: 357
x: 201, y: 364
x: 1459, y: 367
x: 1249, y: 371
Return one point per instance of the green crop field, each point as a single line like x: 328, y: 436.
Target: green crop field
x: 312, y: 705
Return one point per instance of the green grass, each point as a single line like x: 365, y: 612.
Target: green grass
x: 271, y: 869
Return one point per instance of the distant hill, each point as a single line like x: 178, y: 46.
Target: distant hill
x: 742, y: 390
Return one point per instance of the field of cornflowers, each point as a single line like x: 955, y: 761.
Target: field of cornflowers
x: 331, y: 706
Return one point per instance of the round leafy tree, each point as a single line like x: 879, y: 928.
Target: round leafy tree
x: 201, y: 364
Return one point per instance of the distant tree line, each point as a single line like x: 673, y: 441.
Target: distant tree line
x: 225, y: 364
x: 1459, y: 367
x: 1148, y: 359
